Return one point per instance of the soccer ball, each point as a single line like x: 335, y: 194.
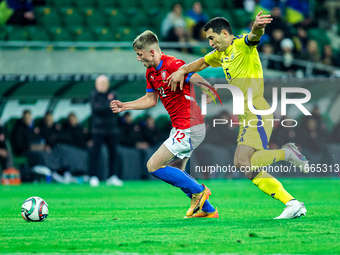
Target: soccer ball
x: 34, y: 209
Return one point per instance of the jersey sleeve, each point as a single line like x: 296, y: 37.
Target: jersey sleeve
x: 149, y: 87
x: 177, y: 64
x: 213, y: 58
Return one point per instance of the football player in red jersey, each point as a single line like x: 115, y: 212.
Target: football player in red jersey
x: 169, y: 161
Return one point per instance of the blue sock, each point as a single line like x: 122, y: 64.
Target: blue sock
x: 178, y: 178
x: 207, y: 207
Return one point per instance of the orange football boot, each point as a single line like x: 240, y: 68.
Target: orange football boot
x: 197, y: 200
x: 203, y: 214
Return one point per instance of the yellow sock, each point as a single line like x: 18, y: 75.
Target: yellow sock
x: 272, y: 187
x: 266, y: 157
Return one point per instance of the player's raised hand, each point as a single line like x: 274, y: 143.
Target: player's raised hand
x: 261, y: 21
x: 117, y: 106
x: 174, y: 79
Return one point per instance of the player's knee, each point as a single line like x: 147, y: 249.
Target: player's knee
x: 151, y: 166
x: 244, y: 165
x: 241, y: 162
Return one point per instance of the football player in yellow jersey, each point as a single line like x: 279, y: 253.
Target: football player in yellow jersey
x: 242, y: 67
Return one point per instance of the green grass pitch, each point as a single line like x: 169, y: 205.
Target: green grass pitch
x: 147, y: 217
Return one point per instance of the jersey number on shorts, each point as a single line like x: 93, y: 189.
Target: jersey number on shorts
x: 179, y: 136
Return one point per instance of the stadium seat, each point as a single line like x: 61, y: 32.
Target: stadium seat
x: 71, y: 17
x: 115, y: 17
x: 228, y: 5
x: 241, y: 18
x: 125, y: 34
x: 152, y: 12
x: 187, y: 5
x: 104, y: 34
x: 39, y: 10
x: 155, y: 17
x: 140, y: 30
x: 82, y: 34
x: 148, y: 4
x: 87, y: 3
x: 49, y: 2
x: 107, y: 3
x: 3, y: 34
x: 61, y: 34
x: 139, y: 19
x: 129, y: 13
x: 94, y: 18
x: 49, y: 17
x: 61, y: 3
x: 39, y: 34
x: 125, y: 4
x: 17, y: 34
x: 221, y: 13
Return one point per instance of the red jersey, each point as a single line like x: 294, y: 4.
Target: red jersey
x: 180, y: 104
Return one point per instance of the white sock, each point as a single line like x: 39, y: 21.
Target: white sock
x: 292, y: 202
x: 287, y: 153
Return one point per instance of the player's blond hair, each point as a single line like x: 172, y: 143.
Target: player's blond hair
x: 147, y: 39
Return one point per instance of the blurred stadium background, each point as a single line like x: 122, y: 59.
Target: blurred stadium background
x: 49, y: 62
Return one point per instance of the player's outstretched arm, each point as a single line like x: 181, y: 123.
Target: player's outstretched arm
x: 178, y: 76
x: 205, y: 86
x: 145, y: 102
x: 258, y: 28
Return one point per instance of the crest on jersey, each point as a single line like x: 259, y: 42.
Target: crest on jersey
x: 228, y: 58
x: 164, y: 74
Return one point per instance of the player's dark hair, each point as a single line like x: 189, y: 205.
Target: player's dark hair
x: 217, y: 25
x: 145, y: 39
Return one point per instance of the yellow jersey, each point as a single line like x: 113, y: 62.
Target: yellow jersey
x: 241, y: 64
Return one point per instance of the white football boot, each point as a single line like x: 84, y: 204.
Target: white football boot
x: 114, y: 181
x: 94, y: 181
x: 293, y: 210
x: 294, y: 156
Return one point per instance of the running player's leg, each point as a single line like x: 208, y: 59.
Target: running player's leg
x: 180, y: 164
x: 263, y: 180
x: 253, y: 153
x: 158, y: 166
